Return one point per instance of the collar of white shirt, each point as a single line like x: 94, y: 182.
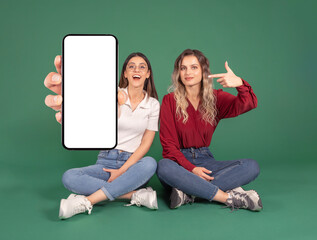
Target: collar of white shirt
x: 145, y: 103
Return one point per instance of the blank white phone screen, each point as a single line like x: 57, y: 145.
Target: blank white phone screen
x: 89, y: 68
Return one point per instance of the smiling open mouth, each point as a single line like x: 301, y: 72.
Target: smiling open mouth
x: 136, y: 77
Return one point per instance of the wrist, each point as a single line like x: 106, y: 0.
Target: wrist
x: 122, y: 170
x: 240, y: 82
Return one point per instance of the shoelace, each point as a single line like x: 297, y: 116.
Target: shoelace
x: 133, y: 203
x: 230, y: 206
x: 79, y: 208
x: 236, y: 202
x: 136, y: 201
x: 89, y: 209
x: 189, y: 199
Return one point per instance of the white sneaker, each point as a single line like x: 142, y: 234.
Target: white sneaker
x: 74, y: 205
x: 145, y: 197
x: 74, y: 196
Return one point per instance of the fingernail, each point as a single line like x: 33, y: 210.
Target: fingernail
x: 55, y: 78
x: 56, y: 99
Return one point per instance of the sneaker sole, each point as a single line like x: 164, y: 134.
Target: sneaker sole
x: 175, y: 200
x: 153, y: 200
x: 61, y: 210
x: 254, y: 196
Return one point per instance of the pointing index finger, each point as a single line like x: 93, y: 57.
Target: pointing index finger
x: 217, y: 75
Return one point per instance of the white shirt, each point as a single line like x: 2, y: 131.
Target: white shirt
x: 132, y: 124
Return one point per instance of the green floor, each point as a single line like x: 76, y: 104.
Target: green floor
x: 31, y: 191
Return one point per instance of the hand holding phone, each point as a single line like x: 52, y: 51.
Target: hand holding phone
x: 53, y: 81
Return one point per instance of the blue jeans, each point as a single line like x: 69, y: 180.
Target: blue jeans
x: 87, y: 180
x: 227, y: 174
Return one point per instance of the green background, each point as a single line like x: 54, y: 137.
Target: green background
x: 271, y: 44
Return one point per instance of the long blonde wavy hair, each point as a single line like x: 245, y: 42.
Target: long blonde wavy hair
x: 207, y: 106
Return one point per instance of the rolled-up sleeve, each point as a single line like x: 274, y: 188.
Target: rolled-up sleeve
x: 229, y: 106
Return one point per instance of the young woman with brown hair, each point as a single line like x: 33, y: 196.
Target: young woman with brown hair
x: 121, y: 172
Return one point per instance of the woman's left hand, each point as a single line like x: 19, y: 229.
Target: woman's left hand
x: 229, y: 79
x: 114, y: 173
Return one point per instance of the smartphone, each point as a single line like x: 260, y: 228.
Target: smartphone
x: 89, y: 90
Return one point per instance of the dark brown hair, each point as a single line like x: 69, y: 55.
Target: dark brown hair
x: 149, y: 86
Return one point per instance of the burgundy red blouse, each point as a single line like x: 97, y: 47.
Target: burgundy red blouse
x: 175, y: 135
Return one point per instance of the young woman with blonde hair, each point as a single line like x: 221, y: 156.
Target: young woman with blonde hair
x: 189, y: 116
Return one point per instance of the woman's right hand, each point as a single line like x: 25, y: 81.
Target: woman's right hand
x: 201, y: 172
x: 53, y: 81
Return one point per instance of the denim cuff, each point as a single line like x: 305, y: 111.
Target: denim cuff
x: 109, y: 196
x: 213, y: 193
